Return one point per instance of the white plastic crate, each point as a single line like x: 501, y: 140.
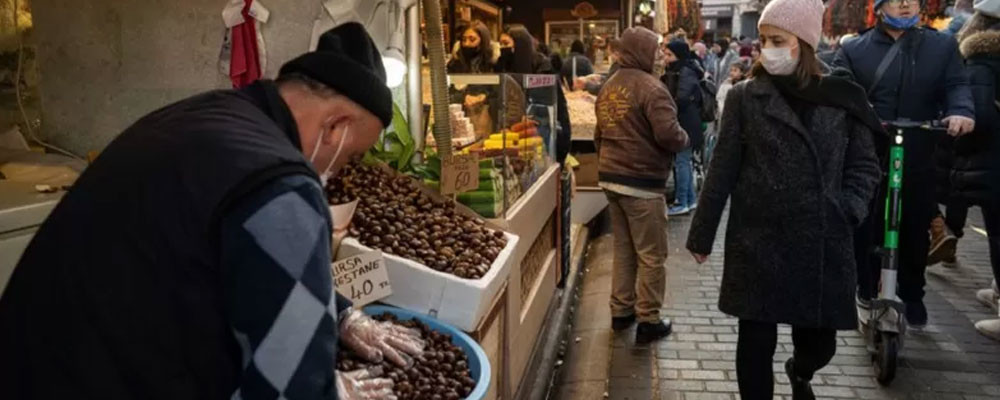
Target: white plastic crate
x: 460, y: 302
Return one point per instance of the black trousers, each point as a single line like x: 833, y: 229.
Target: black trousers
x: 955, y: 214
x: 814, y: 348
x: 919, y: 207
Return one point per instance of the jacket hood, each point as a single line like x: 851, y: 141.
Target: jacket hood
x: 985, y: 43
x: 639, y: 47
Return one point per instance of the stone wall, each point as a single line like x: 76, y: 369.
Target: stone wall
x: 105, y: 63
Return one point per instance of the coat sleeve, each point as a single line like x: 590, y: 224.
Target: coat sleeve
x: 661, y: 112
x: 959, y: 95
x: 724, y: 172
x: 861, y: 173
x: 842, y: 64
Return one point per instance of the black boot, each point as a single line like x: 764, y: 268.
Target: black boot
x: 801, y: 388
x: 916, y: 314
x: 652, y: 331
x: 622, y: 323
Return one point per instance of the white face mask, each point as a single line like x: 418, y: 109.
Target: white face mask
x: 325, y: 175
x: 779, y: 61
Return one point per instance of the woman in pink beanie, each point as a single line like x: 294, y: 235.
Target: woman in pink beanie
x: 796, y: 162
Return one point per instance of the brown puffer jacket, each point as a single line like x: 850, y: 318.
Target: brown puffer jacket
x: 637, y: 130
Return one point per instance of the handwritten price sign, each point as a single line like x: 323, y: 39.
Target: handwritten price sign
x: 459, y: 174
x: 362, y: 278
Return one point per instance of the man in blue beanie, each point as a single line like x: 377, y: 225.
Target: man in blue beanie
x: 912, y: 73
x: 191, y: 260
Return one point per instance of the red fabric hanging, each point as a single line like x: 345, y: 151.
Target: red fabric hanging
x: 244, y: 66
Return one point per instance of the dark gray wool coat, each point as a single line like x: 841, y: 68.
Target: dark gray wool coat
x: 796, y: 193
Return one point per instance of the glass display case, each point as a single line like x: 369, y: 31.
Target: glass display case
x: 595, y: 35
x: 509, y: 121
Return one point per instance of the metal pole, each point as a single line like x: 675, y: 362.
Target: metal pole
x: 414, y: 86
x: 630, y: 13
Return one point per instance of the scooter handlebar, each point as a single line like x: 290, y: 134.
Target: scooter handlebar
x: 935, y: 125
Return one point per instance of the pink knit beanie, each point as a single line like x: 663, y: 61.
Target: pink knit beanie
x: 803, y: 18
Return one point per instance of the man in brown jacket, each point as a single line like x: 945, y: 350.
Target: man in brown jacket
x: 637, y: 136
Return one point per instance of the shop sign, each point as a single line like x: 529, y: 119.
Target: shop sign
x: 584, y: 10
x: 459, y: 174
x: 362, y: 278
x: 537, y: 81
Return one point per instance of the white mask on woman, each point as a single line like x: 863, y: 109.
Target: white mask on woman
x: 778, y: 61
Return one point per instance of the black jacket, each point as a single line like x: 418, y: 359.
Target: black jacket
x: 118, y: 296
x: 926, y: 81
x: 796, y: 193
x: 685, y: 86
x: 975, y: 173
x: 583, y: 67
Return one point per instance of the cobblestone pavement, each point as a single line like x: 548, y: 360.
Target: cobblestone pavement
x: 947, y: 360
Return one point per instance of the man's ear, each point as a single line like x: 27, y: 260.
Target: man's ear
x: 336, y: 127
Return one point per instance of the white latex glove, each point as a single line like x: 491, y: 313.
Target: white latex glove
x: 373, y: 340
x: 959, y: 125
x: 363, y: 385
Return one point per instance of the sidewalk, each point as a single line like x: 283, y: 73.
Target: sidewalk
x: 947, y: 360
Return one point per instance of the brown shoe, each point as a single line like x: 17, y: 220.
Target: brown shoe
x: 943, y: 243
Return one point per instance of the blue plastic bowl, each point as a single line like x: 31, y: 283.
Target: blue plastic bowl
x: 479, y: 365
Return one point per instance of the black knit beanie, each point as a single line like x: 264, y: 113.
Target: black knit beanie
x: 347, y: 60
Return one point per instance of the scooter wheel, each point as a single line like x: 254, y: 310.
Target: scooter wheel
x: 887, y: 352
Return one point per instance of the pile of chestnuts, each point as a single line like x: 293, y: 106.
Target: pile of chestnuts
x: 441, y: 373
x: 394, y: 216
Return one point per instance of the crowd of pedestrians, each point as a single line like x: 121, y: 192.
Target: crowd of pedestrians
x: 798, y: 154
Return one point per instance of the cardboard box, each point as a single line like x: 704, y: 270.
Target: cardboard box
x: 586, y: 173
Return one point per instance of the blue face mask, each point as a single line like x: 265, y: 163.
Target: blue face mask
x: 901, y: 23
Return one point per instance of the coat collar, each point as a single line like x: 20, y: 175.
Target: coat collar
x: 777, y: 107
x: 265, y: 96
x: 982, y: 44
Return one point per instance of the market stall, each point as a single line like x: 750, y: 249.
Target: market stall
x: 460, y: 247
x: 470, y: 231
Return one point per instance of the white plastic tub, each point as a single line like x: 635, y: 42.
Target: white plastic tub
x: 460, y: 302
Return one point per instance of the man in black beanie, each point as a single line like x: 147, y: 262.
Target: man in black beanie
x: 192, y: 259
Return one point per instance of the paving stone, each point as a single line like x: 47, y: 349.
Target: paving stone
x: 707, y: 396
x: 677, y: 364
x: 834, y: 391
x: 851, y: 381
x: 971, y: 377
x: 722, y: 386
x: 670, y: 384
x: 715, y: 329
x: 717, y: 346
x: 703, y: 375
x: 947, y: 360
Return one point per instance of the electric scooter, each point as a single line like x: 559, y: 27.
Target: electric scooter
x: 887, y: 319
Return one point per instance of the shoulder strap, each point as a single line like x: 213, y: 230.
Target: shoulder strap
x: 884, y: 64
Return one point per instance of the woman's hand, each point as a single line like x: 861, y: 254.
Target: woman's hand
x: 373, y: 340
x: 700, y: 258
